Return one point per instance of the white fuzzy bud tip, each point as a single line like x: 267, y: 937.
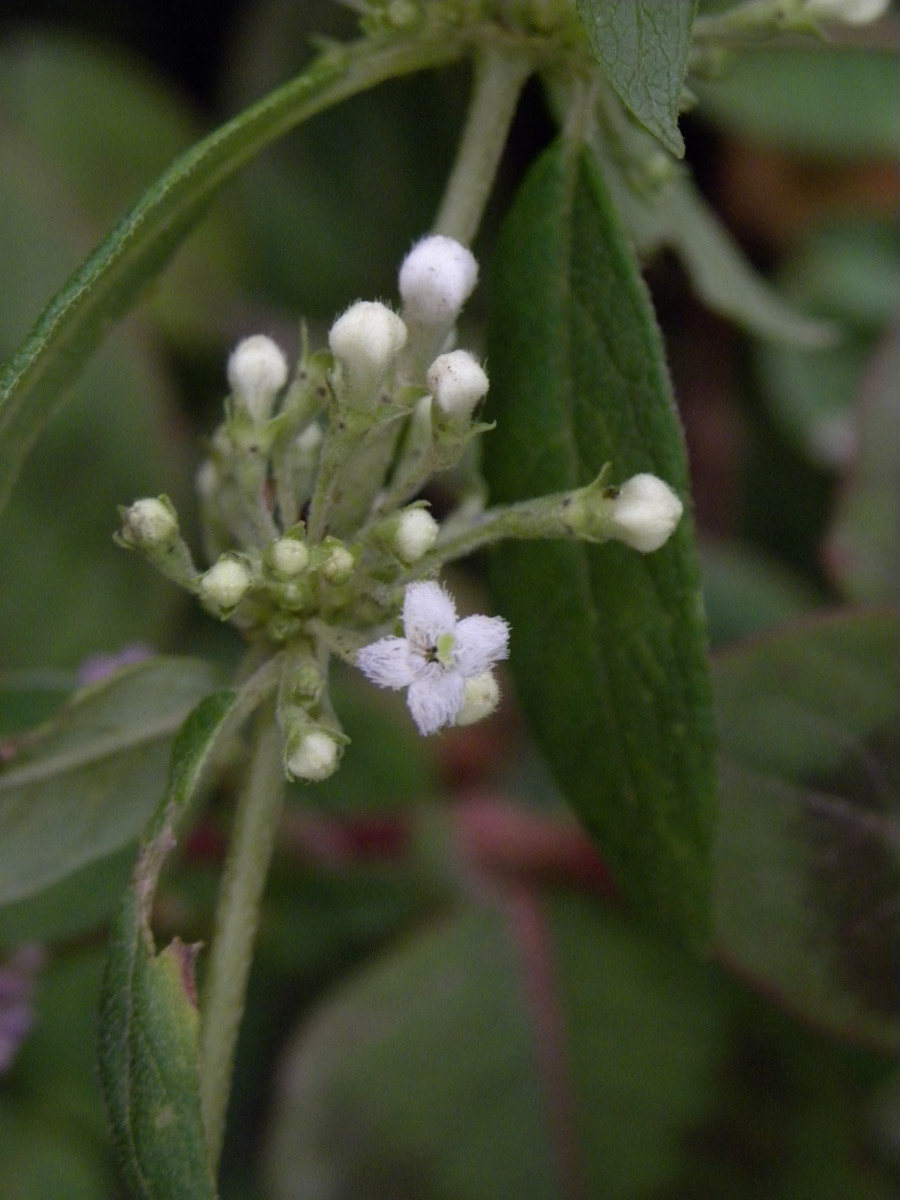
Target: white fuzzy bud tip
x: 644, y: 513
x: 436, y: 279
x: 288, y: 557
x: 314, y: 757
x: 366, y: 339
x: 851, y: 12
x: 225, y: 584
x: 257, y: 371
x: 481, y: 695
x: 457, y: 382
x: 148, y: 523
x: 417, y: 531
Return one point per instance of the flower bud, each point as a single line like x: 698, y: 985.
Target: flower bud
x: 149, y: 523
x: 312, y: 756
x: 414, y: 534
x: 644, y: 513
x: 257, y: 371
x: 481, y: 695
x: 436, y: 279
x: 224, y: 585
x: 366, y: 340
x: 288, y: 557
x: 458, y: 383
x: 338, y: 563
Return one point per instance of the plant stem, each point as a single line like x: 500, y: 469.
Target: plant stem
x: 237, y: 917
x: 499, y: 78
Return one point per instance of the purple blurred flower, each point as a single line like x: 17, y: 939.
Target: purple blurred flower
x: 17, y: 978
x: 99, y: 666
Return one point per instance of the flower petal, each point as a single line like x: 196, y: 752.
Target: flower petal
x: 428, y: 611
x: 435, y: 698
x: 388, y: 662
x: 480, y: 641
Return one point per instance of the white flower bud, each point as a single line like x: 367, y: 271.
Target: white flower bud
x: 644, y: 513
x: 313, y: 757
x: 481, y: 695
x: 149, y: 523
x: 257, y: 371
x: 338, y: 564
x: 436, y: 279
x: 288, y: 556
x: 366, y: 340
x: 415, y: 534
x: 225, y: 584
x: 457, y: 382
x: 851, y: 12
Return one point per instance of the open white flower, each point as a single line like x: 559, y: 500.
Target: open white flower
x: 436, y: 656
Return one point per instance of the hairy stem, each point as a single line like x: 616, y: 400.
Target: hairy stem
x: 499, y: 78
x: 237, y: 917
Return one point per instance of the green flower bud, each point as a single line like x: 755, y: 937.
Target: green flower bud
x: 287, y: 557
x: 224, y: 585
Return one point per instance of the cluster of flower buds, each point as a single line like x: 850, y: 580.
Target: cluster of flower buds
x: 313, y: 523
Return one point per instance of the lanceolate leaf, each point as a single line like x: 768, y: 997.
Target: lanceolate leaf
x: 84, y: 785
x: 808, y: 852
x: 32, y: 382
x: 148, y: 1013
x: 607, y: 644
x: 644, y: 46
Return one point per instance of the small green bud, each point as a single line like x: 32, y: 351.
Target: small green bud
x: 288, y: 557
x: 149, y: 524
x: 338, y: 563
x: 312, y: 755
x: 224, y: 585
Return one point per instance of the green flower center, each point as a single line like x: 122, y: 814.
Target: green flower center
x: 444, y: 649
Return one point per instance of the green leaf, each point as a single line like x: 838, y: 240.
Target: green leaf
x: 608, y: 645
x: 32, y: 382
x: 644, y: 47
x: 808, y: 853
x: 85, y: 784
x: 832, y: 103
x: 547, y: 1050
x: 148, y: 1014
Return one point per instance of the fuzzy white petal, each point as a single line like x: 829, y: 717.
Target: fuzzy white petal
x: 428, y: 611
x: 435, y: 698
x: 480, y: 641
x: 388, y: 662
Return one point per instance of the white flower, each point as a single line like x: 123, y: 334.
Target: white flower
x: 225, y: 584
x: 257, y: 371
x: 644, y: 513
x: 437, y: 655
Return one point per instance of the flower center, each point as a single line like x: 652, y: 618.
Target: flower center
x: 443, y: 651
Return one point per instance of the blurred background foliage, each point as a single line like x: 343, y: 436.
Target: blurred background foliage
x: 448, y: 1001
